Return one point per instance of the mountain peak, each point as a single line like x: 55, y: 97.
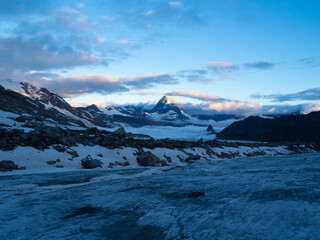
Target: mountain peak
x: 169, y: 110
x: 167, y: 100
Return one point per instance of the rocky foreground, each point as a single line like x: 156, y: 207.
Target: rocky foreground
x: 43, y: 146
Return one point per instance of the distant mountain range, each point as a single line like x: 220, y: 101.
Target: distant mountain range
x: 24, y: 98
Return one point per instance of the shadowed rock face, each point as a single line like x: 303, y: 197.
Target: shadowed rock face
x: 292, y: 128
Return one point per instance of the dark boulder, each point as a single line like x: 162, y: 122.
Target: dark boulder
x: 24, y: 118
x: 6, y: 165
x: 120, y: 132
x: 89, y: 163
x: 51, y: 162
x: 59, y: 148
x: 148, y: 159
x: 73, y: 153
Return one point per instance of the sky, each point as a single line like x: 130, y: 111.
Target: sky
x: 221, y: 56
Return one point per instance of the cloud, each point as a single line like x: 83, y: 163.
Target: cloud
x: 175, y: 4
x: 196, y: 95
x: 259, y: 65
x: 307, y: 62
x: 17, y: 53
x: 141, y: 82
x: 72, y: 86
x: 125, y: 43
x: 310, y: 94
x: 221, y: 67
x: 195, y: 75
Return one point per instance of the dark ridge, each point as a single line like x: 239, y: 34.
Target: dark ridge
x: 292, y: 128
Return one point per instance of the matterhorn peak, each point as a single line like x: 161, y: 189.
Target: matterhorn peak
x: 167, y: 100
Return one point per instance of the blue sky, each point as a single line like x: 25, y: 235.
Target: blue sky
x: 230, y: 56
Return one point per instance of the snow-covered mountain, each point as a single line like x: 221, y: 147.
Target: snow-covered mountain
x: 165, y: 113
x: 167, y: 110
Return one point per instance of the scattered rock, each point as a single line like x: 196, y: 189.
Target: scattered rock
x: 195, y: 194
x: 73, y: 153
x: 99, y: 155
x: 59, y: 166
x: 148, y: 159
x: 6, y: 165
x: 124, y: 158
x: 58, y: 160
x: 59, y: 148
x: 120, y: 132
x: 51, y: 162
x: 89, y: 163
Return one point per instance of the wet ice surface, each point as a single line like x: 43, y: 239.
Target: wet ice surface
x: 245, y: 198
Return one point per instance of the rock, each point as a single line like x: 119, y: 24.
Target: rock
x: 89, y: 163
x: 192, y: 158
x: 147, y: 159
x: 22, y: 168
x: 120, y: 132
x: 168, y: 158
x: 195, y: 194
x: 73, y: 153
x: 163, y: 163
x: 51, y: 162
x: 124, y: 158
x: 58, y: 160
x: 59, y: 166
x: 99, y: 155
x: 24, y: 118
x: 7, y: 165
x: 210, y: 129
x: 59, y: 148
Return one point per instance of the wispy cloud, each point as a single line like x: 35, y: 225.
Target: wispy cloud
x: 310, y: 94
x: 196, y: 95
x: 142, y: 82
x: 223, y: 67
x: 259, y: 65
x: 72, y: 86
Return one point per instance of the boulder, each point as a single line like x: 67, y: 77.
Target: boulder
x: 51, y: 162
x: 148, y: 159
x: 73, y: 153
x: 120, y: 132
x: 24, y: 118
x: 59, y: 148
x: 89, y: 163
x: 7, y: 165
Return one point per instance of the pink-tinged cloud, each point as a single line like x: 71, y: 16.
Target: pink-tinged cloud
x: 222, y: 66
x: 195, y: 95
